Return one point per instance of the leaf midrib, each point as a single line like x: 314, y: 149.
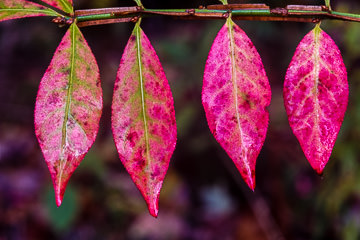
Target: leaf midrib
x: 67, y: 7
x: 70, y: 86
x: 316, y: 74
x: 25, y: 10
x: 233, y: 76
x: 67, y: 105
x: 142, y: 91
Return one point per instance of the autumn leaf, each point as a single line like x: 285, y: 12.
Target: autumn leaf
x: 64, y: 5
x: 316, y: 96
x: 68, y: 108
x: 235, y: 94
x: 12, y: 9
x: 143, y: 117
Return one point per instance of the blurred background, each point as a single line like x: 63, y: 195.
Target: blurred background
x: 203, y: 196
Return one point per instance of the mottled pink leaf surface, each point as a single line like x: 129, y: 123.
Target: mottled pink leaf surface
x: 64, y: 5
x: 143, y: 117
x: 68, y: 108
x: 316, y: 96
x: 12, y: 9
x: 235, y: 94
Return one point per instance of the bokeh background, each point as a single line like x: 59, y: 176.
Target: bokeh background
x: 203, y: 196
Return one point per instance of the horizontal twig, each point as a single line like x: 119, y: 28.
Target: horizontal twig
x: 258, y: 12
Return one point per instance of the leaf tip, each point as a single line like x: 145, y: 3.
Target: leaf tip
x: 152, y: 201
x: 58, y: 198
x: 320, y: 170
x: 249, y: 178
x: 250, y: 181
x: 59, y: 187
x: 153, y: 208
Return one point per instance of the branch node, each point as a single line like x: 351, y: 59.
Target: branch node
x: 135, y: 19
x: 69, y: 21
x: 279, y: 11
x: 191, y: 12
x: 325, y: 9
x: 62, y: 21
x: 139, y: 8
x: 316, y: 20
x: 226, y: 15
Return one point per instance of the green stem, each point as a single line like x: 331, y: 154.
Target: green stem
x: 346, y: 15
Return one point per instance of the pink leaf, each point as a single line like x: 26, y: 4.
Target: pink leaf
x: 143, y: 117
x: 68, y: 108
x: 64, y: 5
x: 235, y: 94
x: 316, y: 95
x: 12, y: 9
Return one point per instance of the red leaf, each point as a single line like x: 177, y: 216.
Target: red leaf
x: 235, y: 94
x: 316, y: 95
x: 68, y: 108
x: 12, y: 9
x: 64, y: 5
x: 143, y: 117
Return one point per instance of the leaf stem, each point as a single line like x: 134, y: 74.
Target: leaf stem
x: 138, y: 2
x: 327, y: 4
x: 251, y: 12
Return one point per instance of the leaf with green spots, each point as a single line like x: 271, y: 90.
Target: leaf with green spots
x: 68, y: 108
x: 316, y: 95
x: 143, y: 117
x: 64, y: 5
x: 235, y: 95
x: 12, y: 9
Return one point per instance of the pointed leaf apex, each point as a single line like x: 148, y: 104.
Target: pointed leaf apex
x: 319, y: 172
x: 153, y: 207
x: 60, y: 187
x: 59, y: 194
x: 252, y: 184
x: 152, y: 200
x: 59, y: 199
x: 319, y: 169
x: 250, y: 180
